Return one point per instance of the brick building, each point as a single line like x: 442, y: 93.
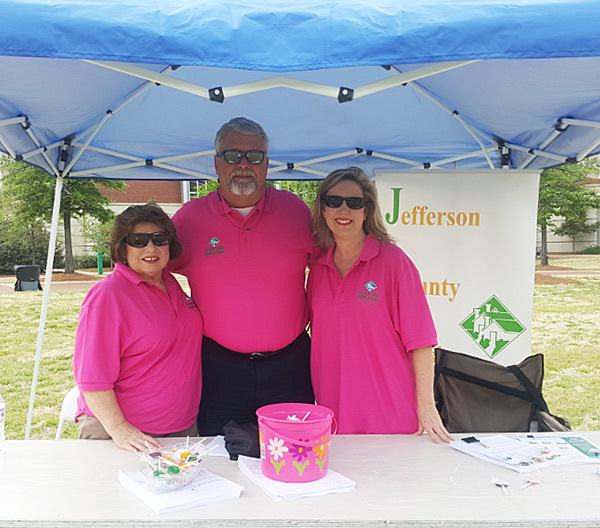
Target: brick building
x: 170, y: 195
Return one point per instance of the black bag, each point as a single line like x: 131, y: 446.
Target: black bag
x: 480, y: 396
x: 241, y: 440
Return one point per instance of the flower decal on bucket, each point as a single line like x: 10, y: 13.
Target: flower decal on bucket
x: 276, y: 450
x: 276, y: 447
x: 321, y: 451
x: 295, y: 449
x: 300, y: 453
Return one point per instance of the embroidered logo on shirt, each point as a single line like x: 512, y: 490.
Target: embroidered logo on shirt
x: 370, y: 286
x: 214, y: 249
x: 189, y: 302
x: 367, y: 296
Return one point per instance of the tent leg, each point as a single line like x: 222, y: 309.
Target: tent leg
x: 45, y: 299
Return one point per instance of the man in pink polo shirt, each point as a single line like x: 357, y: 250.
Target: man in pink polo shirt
x: 245, y: 251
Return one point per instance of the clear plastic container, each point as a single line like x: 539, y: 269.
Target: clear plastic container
x: 171, y: 467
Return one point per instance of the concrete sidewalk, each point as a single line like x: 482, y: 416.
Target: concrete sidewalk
x: 566, y: 272
x: 59, y: 282
x: 7, y: 282
x: 9, y: 285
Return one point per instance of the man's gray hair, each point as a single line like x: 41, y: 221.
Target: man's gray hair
x: 241, y: 125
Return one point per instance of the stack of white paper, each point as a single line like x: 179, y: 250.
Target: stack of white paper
x: 206, y: 488
x: 332, y: 482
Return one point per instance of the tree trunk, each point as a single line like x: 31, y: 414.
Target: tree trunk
x: 33, y: 246
x: 544, y: 252
x: 69, y: 265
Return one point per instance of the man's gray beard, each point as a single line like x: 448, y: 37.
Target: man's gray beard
x: 243, y: 188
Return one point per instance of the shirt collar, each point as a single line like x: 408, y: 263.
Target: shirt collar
x: 128, y: 273
x: 264, y: 204
x: 369, y: 251
x: 125, y: 271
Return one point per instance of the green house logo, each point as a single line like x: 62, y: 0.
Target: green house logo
x: 370, y: 286
x: 492, y: 326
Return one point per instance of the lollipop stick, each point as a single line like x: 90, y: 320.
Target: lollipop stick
x: 530, y: 482
x: 501, y: 484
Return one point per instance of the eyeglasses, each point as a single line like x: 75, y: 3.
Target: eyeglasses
x: 140, y: 240
x: 236, y: 156
x: 353, y: 202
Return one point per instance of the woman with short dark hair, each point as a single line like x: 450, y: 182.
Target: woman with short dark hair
x: 137, y: 349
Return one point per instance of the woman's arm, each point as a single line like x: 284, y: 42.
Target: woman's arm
x: 429, y: 418
x: 105, y: 407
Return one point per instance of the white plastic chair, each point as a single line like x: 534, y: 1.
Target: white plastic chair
x: 67, y: 410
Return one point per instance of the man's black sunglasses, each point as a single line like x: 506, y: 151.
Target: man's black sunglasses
x: 140, y: 240
x: 353, y: 202
x: 236, y: 156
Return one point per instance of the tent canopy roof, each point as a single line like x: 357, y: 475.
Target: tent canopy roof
x: 137, y: 89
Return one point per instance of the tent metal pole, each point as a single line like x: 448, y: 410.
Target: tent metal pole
x: 13, y: 121
x: 8, y: 148
x: 45, y: 299
x: 580, y: 122
x: 42, y: 150
x: 45, y: 155
x: 409, y: 77
x: 585, y: 152
x: 553, y: 135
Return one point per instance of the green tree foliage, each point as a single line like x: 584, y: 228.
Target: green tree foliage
x: 31, y: 194
x: 199, y: 188
x: 23, y: 245
x: 307, y: 190
x: 97, y: 234
x: 563, y: 196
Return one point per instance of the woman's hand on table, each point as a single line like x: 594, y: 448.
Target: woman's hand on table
x: 431, y: 423
x: 105, y: 407
x: 128, y: 437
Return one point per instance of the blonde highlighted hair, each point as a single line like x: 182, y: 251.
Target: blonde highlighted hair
x: 373, y: 224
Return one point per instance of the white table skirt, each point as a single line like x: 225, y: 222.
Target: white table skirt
x: 401, y: 481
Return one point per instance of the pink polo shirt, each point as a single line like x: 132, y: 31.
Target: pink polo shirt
x: 247, y: 274
x: 363, y: 327
x: 145, y: 345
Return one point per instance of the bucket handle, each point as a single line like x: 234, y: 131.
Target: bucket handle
x: 332, y: 432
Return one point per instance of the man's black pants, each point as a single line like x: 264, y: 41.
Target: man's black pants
x: 236, y: 384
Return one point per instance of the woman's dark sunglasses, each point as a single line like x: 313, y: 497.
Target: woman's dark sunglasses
x: 353, y: 202
x: 236, y: 156
x: 140, y: 240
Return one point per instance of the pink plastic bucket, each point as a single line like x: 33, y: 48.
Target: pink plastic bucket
x: 294, y: 441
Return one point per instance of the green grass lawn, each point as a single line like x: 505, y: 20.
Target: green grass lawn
x: 578, y: 262
x: 565, y: 330
x: 19, y: 321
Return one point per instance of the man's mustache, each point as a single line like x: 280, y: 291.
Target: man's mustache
x: 242, y: 173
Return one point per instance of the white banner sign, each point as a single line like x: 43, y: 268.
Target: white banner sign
x: 472, y: 235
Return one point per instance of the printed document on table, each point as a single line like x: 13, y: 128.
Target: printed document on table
x: 575, y: 448
x: 509, y: 452
x: 206, y: 488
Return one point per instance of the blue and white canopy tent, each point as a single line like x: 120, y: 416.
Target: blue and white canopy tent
x: 135, y: 89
